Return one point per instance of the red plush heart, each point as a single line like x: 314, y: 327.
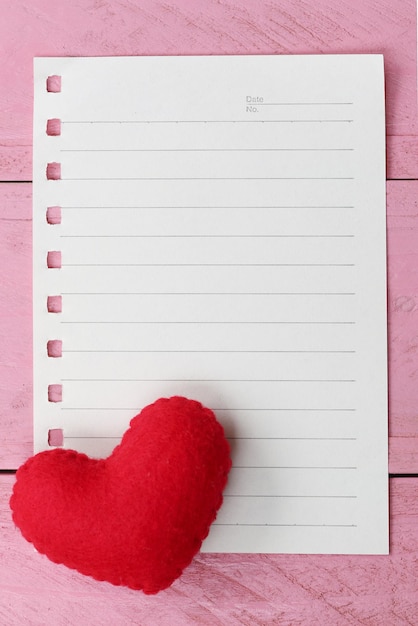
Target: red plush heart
x: 138, y: 517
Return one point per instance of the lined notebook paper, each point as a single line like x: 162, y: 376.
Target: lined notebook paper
x: 215, y: 228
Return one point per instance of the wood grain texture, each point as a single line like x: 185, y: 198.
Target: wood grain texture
x: 401, y: 157
x: 224, y: 590
x: 402, y: 224
x: 16, y: 324
x: 122, y: 27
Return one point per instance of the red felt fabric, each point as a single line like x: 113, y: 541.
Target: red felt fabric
x: 138, y: 517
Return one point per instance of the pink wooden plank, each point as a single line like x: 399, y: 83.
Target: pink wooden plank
x: 402, y: 220
x: 16, y: 324
x: 402, y: 159
x: 219, y: 590
x: 15, y: 160
x: 121, y: 27
x: 401, y: 156
x: 403, y: 450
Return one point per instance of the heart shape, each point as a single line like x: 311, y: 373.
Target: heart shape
x: 138, y: 517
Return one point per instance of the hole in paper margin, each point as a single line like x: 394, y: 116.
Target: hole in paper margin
x: 53, y: 83
x: 54, y: 393
x: 53, y: 171
x: 53, y: 259
x: 53, y: 127
x: 55, y: 437
x: 54, y: 304
x: 54, y: 348
x: 53, y: 215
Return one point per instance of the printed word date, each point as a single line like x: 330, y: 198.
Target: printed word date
x: 251, y: 102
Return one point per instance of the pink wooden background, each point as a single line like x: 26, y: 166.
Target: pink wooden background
x: 256, y: 590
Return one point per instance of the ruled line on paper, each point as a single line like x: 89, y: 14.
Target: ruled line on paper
x: 100, y: 150
x: 302, y: 497
x: 297, y: 467
x: 184, y: 178
x: 205, y: 293
x: 320, y: 410
x: 184, y: 236
x: 221, y: 207
x: 207, y: 265
x: 252, y: 439
x: 293, y: 438
x: 215, y: 409
x: 211, y: 380
x: 238, y: 322
x: 214, y: 351
x: 289, y: 121
x: 236, y: 524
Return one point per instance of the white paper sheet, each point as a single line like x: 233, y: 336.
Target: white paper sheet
x: 223, y: 237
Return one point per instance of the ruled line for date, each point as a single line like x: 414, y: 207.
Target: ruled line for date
x: 294, y: 104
